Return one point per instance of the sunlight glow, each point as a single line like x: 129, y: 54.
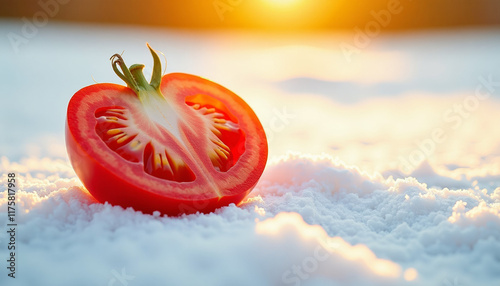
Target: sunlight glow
x: 410, y: 274
x: 283, y: 2
x: 336, y: 246
x: 283, y: 220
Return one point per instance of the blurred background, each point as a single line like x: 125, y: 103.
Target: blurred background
x: 282, y: 15
x: 396, y: 87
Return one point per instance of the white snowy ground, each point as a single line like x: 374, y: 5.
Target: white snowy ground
x: 394, y: 179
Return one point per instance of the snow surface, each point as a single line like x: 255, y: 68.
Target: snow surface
x: 335, y: 205
x: 332, y: 222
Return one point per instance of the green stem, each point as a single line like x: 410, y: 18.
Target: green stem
x: 134, y: 76
x: 156, y: 76
x: 138, y: 75
x: 126, y: 76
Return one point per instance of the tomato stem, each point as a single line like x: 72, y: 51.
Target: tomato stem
x: 156, y: 76
x: 136, y: 71
x: 126, y: 76
x: 134, y: 76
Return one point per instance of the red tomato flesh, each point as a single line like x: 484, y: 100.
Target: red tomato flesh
x: 193, y: 146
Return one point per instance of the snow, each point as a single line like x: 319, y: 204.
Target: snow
x: 330, y: 225
x: 358, y: 189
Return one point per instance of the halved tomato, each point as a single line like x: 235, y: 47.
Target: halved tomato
x: 179, y: 144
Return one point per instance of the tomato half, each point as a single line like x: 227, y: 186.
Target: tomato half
x: 179, y: 144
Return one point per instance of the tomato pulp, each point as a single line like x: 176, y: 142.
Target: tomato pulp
x: 178, y: 144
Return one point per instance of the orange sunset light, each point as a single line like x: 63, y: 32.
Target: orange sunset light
x: 285, y: 14
x: 283, y: 2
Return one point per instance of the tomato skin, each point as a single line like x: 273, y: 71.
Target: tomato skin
x: 108, y: 185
